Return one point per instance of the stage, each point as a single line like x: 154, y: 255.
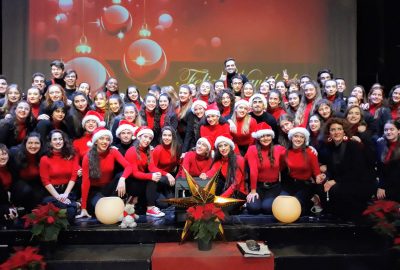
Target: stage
x: 309, y: 243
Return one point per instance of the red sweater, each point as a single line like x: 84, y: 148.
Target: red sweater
x: 31, y: 171
x: 277, y: 112
x: 137, y: 104
x: 56, y: 170
x: 163, y: 160
x: 239, y: 137
x: 5, y: 178
x: 106, y: 164
x: 306, y: 114
x: 239, y: 178
x: 226, y: 112
x: 80, y: 145
x: 195, y: 164
x: 394, y: 111
x: 212, y: 132
x: 102, y: 112
x: 140, y: 166
x: 35, y: 110
x: 301, y: 168
x: 162, y: 118
x: 150, y: 119
x: 263, y: 171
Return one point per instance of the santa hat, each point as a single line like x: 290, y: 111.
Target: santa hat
x: 260, y: 96
x: 142, y: 130
x: 242, y: 102
x: 212, y: 109
x: 263, y: 129
x: 97, y: 133
x: 206, y: 141
x: 198, y: 102
x: 225, y: 138
x: 93, y: 115
x: 125, y: 125
x: 301, y: 131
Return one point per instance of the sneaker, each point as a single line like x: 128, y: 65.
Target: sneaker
x: 316, y: 209
x: 154, y: 212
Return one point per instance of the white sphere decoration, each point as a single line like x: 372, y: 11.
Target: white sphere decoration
x: 286, y: 209
x: 109, y: 210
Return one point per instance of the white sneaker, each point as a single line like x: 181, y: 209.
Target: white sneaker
x: 154, y: 212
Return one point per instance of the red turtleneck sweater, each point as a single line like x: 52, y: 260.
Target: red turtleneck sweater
x: 300, y: 167
x: 80, y: 145
x: 263, y: 171
x: 150, y: 119
x: 140, y: 166
x: 102, y: 112
x: 138, y: 104
x: 163, y: 160
x: 35, y: 110
x: 195, y: 164
x: 226, y: 112
x: 5, y: 178
x: 373, y: 108
x: 276, y: 112
x: 306, y: 114
x: 239, y: 178
x: 107, y: 161
x: 212, y: 132
x: 244, y: 139
x: 392, y: 146
x: 56, y: 170
x: 31, y: 171
x: 162, y: 118
x: 394, y: 111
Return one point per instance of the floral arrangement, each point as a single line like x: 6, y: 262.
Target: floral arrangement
x: 206, y: 220
x: 386, y: 216
x: 47, y: 221
x: 24, y: 259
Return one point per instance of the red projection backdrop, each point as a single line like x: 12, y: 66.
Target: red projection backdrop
x: 177, y: 41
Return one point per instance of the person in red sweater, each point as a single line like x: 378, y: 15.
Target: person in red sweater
x: 7, y: 212
x: 226, y: 103
x: 308, y: 101
x: 58, y: 172
x: 264, y: 160
x: 231, y: 177
x: 244, y: 126
x: 34, y: 97
x: 145, y: 175
x: 214, y: 125
x: 150, y: 115
x: 98, y: 171
x: 90, y: 123
x: 100, y: 103
x: 302, y: 168
x: 197, y: 161
x: 276, y: 106
x: 206, y: 92
x: 27, y: 188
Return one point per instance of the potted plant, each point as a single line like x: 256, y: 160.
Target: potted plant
x: 46, y: 222
x: 24, y: 259
x: 205, y: 220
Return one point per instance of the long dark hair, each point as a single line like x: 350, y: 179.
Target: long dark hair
x: 157, y: 114
x: 136, y: 144
x: 21, y: 155
x: 396, y: 151
x: 30, y: 121
x: 175, y: 150
x: 232, y: 165
x: 270, y: 155
x: 94, y: 163
x: 67, y: 151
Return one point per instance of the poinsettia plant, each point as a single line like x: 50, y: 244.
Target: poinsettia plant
x: 206, y: 220
x: 24, y: 259
x: 47, y: 221
x: 386, y: 216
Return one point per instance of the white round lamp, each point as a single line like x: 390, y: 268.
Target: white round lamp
x: 286, y: 209
x: 108, y: 210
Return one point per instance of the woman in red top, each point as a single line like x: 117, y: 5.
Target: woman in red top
x: 150, y: 115
x: 214, y: 125
x: 206, y: 92
x: 394, y: 101
x: 264, y: 163
x: 302, y: 168
x: 244, y: 126
x: 308, y: 101
x: 98, y: 171
x: 199, y: 160
x: 34, y: 97
x: 100, y: 103
x: 231, y: 177
x: 7, y: 212
x: 132, y: 95
x: 226, y: 103
x: 27, y: 187
x: 146, y: 177
x: 58, y: 171
x: 276, y: 106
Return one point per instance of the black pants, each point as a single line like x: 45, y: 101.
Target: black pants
x: 28, y: 193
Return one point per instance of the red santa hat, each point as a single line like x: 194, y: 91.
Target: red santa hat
x: 125, y: 125
x: 212, y: 109
x: 242, y: 102
x: 93, y: 115
x: 97, y: 133
x: 198, y: 102
x: 143, y: 130
x: 206, y: 141
x: 225, y: 138
x: 300, y: 130
x: 260, y: 96
x: 263, y: 129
